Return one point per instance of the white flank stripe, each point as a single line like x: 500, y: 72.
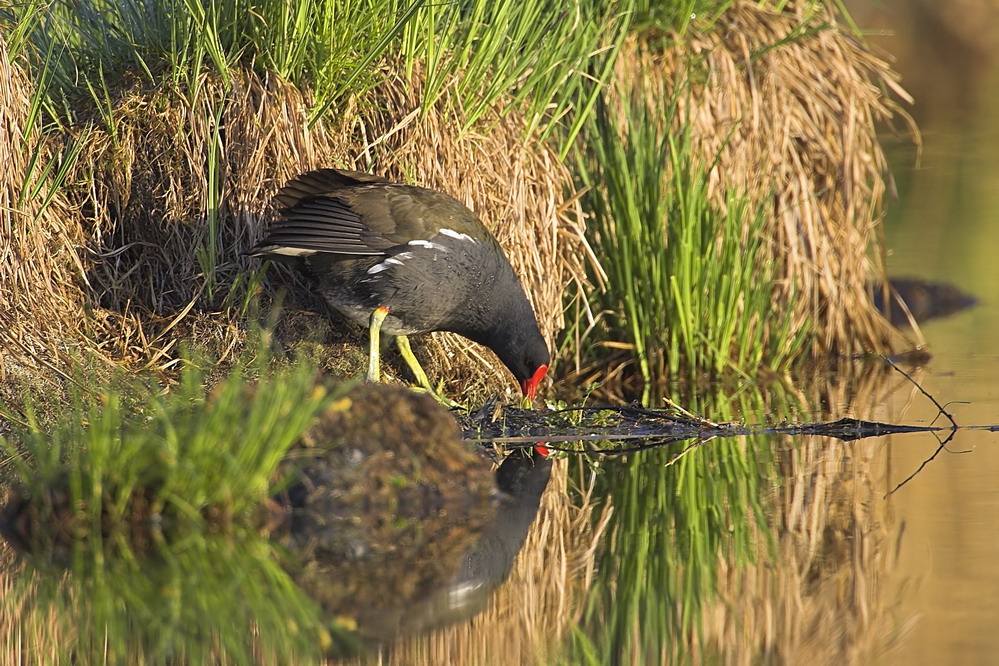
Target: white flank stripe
x: 426, y: 244
x: 454, y: 234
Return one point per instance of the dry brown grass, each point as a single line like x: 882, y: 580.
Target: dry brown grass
x: 149, y: 202
x: 41, y: 297
x: 786, y: 109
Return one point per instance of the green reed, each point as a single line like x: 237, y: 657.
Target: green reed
x: 689, y: 286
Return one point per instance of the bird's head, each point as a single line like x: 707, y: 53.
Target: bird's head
x: 529, y: 364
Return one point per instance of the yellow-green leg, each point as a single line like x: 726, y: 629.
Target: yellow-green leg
x: 374, y: 357
x: 414, y: 365
x: 374, y: 336
x: 421, y: 377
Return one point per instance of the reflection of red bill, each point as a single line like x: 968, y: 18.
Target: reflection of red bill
x: 541, y: 449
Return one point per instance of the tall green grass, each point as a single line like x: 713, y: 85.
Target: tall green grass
x: 195, y: 451
x: 550, y: 56
x: 689, y: 287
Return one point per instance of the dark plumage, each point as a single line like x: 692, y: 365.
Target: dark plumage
x: 405, y: 259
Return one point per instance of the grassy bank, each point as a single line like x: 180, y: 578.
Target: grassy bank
x: 148, y: 140
x: 148, y: 144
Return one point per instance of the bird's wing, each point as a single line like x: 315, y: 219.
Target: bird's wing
x: 322, y: 182
x: 353, y: 213
x: 316, y: 215
x: 321, y: 224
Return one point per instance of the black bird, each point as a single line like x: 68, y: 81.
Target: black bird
x: 406, y: 259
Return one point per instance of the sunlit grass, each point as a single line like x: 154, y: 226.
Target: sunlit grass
x: 550, y: 56
x: 194, y: 450
x: 689, y: 288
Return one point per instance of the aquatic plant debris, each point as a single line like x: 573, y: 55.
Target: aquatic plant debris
x: 635, y: 423
x: 661, y: 427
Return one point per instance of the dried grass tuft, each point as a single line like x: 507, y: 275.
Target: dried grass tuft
x: 784, y: 106
x: 150, y: 202
x: 41, y: 295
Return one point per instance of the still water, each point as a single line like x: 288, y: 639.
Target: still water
x: 945, y: 227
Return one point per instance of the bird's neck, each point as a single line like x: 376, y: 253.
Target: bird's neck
x: 494, y: 313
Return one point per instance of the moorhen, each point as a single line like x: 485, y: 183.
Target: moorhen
x: 405, y: 259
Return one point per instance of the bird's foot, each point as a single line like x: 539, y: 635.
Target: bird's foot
x: 421, y: 377
x: 441, y: 398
